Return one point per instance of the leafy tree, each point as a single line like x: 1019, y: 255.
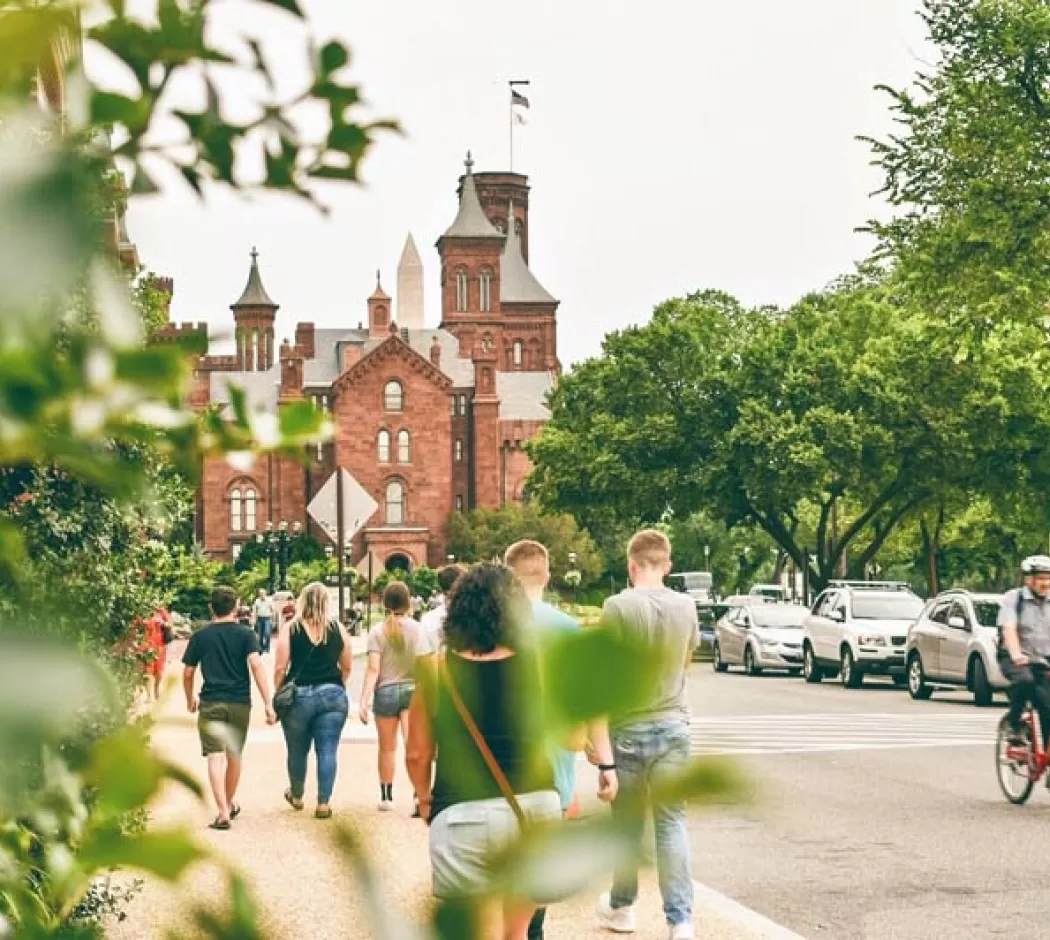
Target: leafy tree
x: 424, y: 582
x: 484, y: 534
x: 302, y: 548
x: 739, y: 557
x: 969, y: 169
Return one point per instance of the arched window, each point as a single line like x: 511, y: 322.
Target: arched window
x: 404, y: 447
x: 249, y: 510
x: 256, y: 351
x: 485, y: 281
x: 380, y: 316
x: 383, y: 446
x: 459, y: 450
x: 235, y: 511
x: 393, y: 396
x: 519, y: 352
x: 461, y: 291
x: 395, y: 503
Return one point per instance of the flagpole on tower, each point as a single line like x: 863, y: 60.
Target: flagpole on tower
x: 516, y: 100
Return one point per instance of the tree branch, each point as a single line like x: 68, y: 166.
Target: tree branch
x: 864, y: 518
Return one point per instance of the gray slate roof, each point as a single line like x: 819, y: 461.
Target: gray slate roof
x: 523, y: 395
x: 517, y: 284
x: 327, y: 363
x: 460, y: 371
x: 254, y: 294
x: 471, y: 221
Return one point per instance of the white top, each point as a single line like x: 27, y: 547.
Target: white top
x: 433, y: 624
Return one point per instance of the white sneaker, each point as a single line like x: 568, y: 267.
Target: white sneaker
x: 682, y: 932
x: 618, y: 920
x: 385, y: 806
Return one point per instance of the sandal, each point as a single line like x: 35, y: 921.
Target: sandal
x: 325, y: 813
x: 235, y: 811
x: 295, y: 804
x: 221, y: 824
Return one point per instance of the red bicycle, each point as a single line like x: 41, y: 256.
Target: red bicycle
x: 1022, y: 762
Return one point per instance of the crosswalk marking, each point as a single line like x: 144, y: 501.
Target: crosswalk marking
x: 813, y: 733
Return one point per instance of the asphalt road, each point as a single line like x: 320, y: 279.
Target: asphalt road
x: 877, y: 817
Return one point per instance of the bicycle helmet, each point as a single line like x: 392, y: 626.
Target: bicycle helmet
x: 1036, y: 564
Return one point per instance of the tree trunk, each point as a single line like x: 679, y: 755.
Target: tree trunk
x: 930, y: 546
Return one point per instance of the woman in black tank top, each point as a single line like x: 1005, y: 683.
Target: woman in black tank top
x: 313, y: 651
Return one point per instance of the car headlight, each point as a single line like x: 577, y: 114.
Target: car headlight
x: 767, y: 641
x: 871, y: 640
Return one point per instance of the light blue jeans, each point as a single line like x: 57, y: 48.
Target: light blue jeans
x: 316, y: 719
x: 647, y: 753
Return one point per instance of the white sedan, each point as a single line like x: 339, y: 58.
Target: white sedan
x: 760, y: 636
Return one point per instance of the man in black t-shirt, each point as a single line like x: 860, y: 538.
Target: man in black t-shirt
x: 225, y: 652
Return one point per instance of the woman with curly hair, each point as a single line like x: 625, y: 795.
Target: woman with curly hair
x: 488, y: 688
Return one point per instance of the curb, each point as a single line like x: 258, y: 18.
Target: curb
x: 737, y: 914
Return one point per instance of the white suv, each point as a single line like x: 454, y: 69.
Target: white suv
x: 858, y: 628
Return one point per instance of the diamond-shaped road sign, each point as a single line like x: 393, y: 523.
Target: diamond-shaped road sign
x: 358, y: 506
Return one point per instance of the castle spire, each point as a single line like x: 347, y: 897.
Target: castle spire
x: 471, y: 221
x: 254, y: 294
x: 517, y: 284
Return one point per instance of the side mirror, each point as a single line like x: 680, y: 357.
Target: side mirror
x: 957, y: 622
x: 838, y: 615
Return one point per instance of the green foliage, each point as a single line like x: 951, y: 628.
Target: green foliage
x: 484, y: 534
x: 189, y: 576
x: 424, y: 582
x: 301, y: 548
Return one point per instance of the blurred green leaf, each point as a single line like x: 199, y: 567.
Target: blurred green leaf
x: 334, y: 56
x: 706, y: 781
x: 164, y: 853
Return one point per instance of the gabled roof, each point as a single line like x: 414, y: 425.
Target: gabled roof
x: 254, y: 294
x: 394, y: 345
x: 470, y: 221
x: 517, y: 284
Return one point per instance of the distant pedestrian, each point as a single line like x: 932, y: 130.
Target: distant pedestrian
x: 417, y: 606
x: 392, y: 649
x: 487, y: 706
x: 314, y: 653
x: 652, y: 743
x: 433, y: 621
x: 262, y: 619
x: 530, y: 561
x: 158, y: 634
x: 226, y: 652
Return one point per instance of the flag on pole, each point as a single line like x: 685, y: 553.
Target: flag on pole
x: 518, y: 99
x: 519, y: 118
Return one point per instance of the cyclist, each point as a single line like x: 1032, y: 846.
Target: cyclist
x: 1024, y: 655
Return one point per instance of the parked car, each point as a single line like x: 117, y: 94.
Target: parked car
x: 953, y: 644
x: 760, y: 636
x: 708, y: 614
x: 859, y: 628
x: 697, y: 584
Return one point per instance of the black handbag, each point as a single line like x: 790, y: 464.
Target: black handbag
x: 284, y: 697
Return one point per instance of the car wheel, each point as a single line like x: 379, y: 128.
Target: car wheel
x: 852, y: 677
x: 749, y: 662
x: 811, y: 669
x: 716, y: 659
x: 982, y: 688
x: 917, y: 687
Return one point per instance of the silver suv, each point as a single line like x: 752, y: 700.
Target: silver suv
x: 857, y: 628
x: 954, y: 644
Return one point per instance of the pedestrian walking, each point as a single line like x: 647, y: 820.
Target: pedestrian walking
x: 262, y: 619
x: 433, y: 620
x: 313, y: 654
x: 226, y: 652
x: 157, y: 635
x: 530, y: 562
x: 651, y: 744
x: 484, y: 723
x: 390, y: 680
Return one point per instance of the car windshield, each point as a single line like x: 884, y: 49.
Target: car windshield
x: 709, y: 615
x: 886, y: 607
x: 987, y: 613
x: 776, y: 615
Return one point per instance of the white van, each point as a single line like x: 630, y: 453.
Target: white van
x: 697, y: 584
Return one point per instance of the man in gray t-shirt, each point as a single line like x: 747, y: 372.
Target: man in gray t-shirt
x: 1024, y: 622
x: 652, y: 742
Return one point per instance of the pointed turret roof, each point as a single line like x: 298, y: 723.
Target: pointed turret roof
x: 471, y: 221
x: 517, y: 284
x: 410, y: 255
x: 379, y: 293
x: 254, y: 294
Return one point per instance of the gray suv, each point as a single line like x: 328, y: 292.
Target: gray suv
x: 953, y: 644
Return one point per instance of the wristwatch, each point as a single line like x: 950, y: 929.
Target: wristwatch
x: 604, y: 767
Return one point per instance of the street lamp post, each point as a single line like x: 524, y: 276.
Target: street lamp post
x: 269, y: 544
x: 707, y: 558
x: 573, y: 576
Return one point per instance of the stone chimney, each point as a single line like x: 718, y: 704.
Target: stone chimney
x: 435, y: 352
x: 351, y: 356
x: 304, y: 340
x: 291, y: 373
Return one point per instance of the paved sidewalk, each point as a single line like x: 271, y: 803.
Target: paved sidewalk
x: 303, y: 886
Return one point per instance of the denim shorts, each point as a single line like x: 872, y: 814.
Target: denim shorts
x: 391, y: 700
x: 464, y: 837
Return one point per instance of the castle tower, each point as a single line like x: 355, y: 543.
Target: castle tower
x: 469, y: 251
x: 379, y: 312
x: 410, y: 314
x: 254, y: 316
x: 495, y: 191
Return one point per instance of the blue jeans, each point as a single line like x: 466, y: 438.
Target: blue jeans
x: 264, y: 626
x: 647, y: 754
x: 317, y: 719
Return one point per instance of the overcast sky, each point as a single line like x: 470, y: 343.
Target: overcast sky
x: 671, y: 146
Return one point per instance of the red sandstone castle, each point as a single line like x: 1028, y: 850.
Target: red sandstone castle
x: 428, y: 421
